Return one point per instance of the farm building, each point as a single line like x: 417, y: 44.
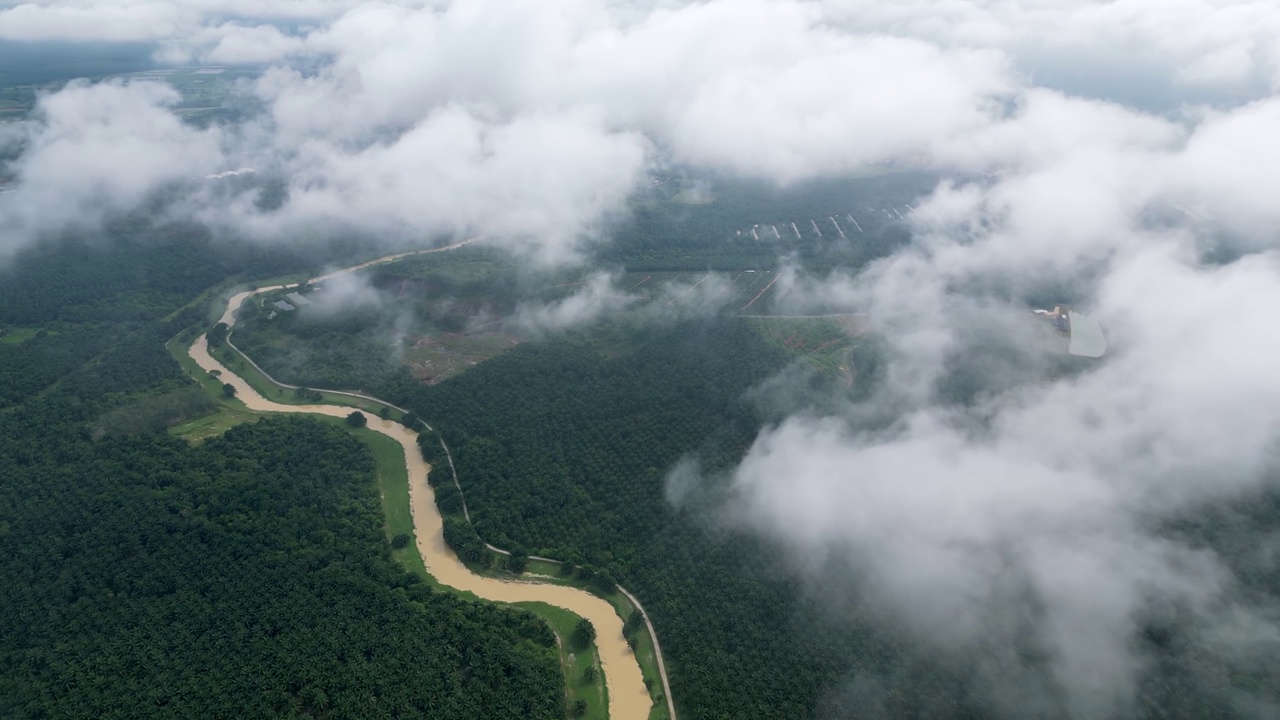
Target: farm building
x: 298, y: 299
x: 1083, y: 333
x: 1086, y: 336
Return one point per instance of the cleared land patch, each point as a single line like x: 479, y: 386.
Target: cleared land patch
x: 17, y: 336
x: 440, y: 357
x: 729, y: 292
x: 823, y: 342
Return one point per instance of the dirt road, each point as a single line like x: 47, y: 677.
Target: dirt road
x: 233, y: 304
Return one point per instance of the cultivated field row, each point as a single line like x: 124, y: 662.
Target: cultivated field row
x: 836, y: 226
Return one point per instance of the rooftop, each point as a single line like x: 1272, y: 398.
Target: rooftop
x: 1087, y: 339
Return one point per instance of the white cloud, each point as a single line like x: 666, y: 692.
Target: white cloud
x: 1039, y: 497
x: 145, y: 20
x: 98, y: 149
x: 109, y: 21
x: 599, y: 295
x: 1228, y: 165
x: 231, y: 44
x: 1033, y: 492
x: 341, y: 293
x: 538, y: 185
x: 396, y: 128
x: 1193, y: 42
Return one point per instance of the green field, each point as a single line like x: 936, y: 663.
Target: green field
x: 17, y: 336
x: 822, y: 342
x: 575, y: 661
x: 469, y: 266
x: 554, y: 573
x: 440, y: 357
x: 393, y: 485
x: 230, y: 411
x: 738, y: 291
x: 452, y: 302
x: 455, y: 301
x: 214, y: 424
x: 275, y: 392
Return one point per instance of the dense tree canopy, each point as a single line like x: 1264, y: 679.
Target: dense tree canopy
x: 245, y: 577
x: 562, y: 447
x: 249, y: 576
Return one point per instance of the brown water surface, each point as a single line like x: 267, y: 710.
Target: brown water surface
x: 628, y: 698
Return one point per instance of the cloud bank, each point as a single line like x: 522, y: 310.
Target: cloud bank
x: 93, y: 150
x: 1120, y: 155
x: 974, y: 492
x: 532, y: 124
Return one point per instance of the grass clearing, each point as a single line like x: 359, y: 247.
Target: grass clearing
x: 821, y: 341
x: 177, y: 347
x: 439, y: 357
x: 461, y: 267
x: 393, y: 486
x: 213, y: 425
x: 694, y: 196
x: 544, y: 568
x: 575, y: 661
x: 229, y: 412
x: 270, y: 389
x: 646, y: 656
x: 17, y: 336
x: 733, y: 292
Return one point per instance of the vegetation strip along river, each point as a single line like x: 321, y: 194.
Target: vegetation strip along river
x: 628, y: 697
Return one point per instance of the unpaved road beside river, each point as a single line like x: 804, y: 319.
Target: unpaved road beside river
x: 628, y: 697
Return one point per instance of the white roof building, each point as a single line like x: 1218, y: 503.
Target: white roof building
x: 1087, y: 339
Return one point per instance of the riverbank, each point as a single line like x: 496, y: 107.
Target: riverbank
x: 626, y: 690
x: 629, y: 698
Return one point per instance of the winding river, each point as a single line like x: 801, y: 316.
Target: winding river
x: 628, y: 697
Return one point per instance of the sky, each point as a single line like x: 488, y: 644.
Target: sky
x: 1127, y: 149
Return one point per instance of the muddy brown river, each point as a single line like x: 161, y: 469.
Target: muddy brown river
x: 628, y: 698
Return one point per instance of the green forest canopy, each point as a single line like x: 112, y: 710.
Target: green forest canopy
x: 562, y: 446
x: 248, y: 576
